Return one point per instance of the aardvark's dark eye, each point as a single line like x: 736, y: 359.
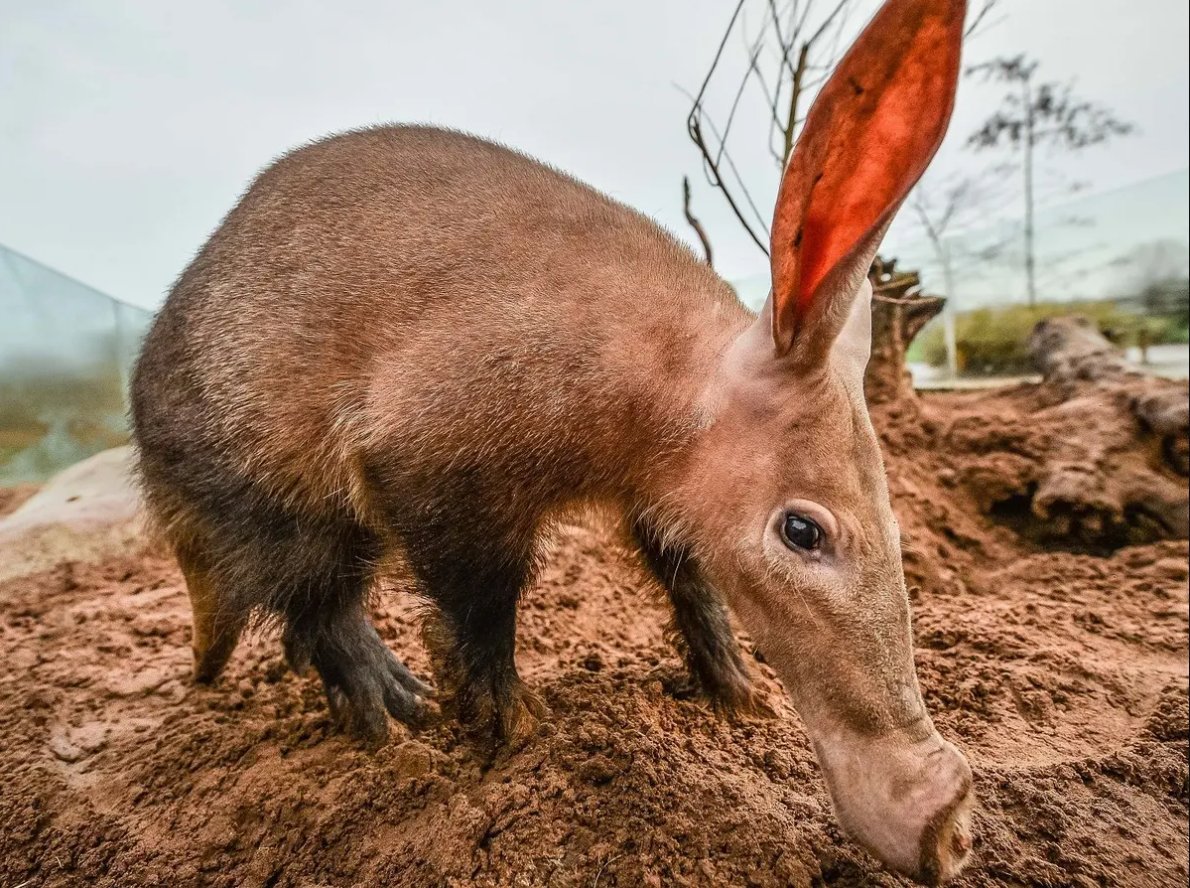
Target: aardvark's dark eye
x: 799, y: 532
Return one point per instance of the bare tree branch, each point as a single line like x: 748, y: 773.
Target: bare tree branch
x: 796, y: 43
x: 718, y: 54
x: 840, y: 7
x: 729, y: 161
x: 795, y: 95
x: 979, y: 17
x: 694, y: 127
x: 694, y: 223
x: 784, y: 47
x: 739, y: 93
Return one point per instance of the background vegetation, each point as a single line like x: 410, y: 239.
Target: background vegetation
x: 993, y: 340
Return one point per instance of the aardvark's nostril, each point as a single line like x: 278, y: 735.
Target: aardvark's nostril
x: 946, y: 848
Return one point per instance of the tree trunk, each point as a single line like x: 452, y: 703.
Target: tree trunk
x: 1069, y: 349
x: 1030, y: 232
x: 1070, y: 352
x: 899, y: 311
x: 1090, y: 459
x: 1117, y: 469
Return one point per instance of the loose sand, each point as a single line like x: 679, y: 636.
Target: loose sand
x: 1062, y: 674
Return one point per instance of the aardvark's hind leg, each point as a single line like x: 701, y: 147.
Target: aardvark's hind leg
x: 365, y: 682
x: 326, y: 571
x: 216, y: 626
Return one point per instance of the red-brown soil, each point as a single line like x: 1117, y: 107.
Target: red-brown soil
x: 1063, y: 675
x: 12, y: 497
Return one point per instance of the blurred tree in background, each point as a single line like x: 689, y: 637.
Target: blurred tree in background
x: 1038, y: 114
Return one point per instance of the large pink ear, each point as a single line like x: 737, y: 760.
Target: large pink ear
x: 868, y: 138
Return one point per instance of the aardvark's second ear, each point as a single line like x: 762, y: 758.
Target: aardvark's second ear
x: 869, y: 136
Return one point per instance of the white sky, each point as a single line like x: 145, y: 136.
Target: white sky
x: 129, y: 127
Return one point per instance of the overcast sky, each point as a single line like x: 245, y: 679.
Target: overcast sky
x: 129, y: 127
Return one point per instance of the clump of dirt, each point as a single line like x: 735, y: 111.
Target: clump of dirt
x: 1062, y: 674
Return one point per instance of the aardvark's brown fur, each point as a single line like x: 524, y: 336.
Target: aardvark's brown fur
x: 410, y: 337
x: 411, y: 341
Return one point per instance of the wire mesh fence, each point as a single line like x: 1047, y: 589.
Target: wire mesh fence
x: 66, y: 351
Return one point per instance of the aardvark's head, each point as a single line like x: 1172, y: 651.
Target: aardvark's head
x: 786, y: 486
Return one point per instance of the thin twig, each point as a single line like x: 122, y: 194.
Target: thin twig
x: 795, y: 94
x: 694, y: 127
x: 719, y: 52
x: 826, y: 23
x: 693, y: 220
x: 785, y: 47
x: 711, y: 160
x: 735, y: 104
x: 599, y: 874
x: 977, y: 19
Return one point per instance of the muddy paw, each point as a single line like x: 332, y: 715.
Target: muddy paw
x: 365, y: 683
x: 520, y: 718
x: 740, y: 698
x: 502, y: 721
x: 362, y: 697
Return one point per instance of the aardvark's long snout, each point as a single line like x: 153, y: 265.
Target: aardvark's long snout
x: 907, y: 800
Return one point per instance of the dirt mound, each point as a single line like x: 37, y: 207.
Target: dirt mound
x: 1063, y: 675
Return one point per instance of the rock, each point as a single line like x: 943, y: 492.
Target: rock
x: 85, y: 513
